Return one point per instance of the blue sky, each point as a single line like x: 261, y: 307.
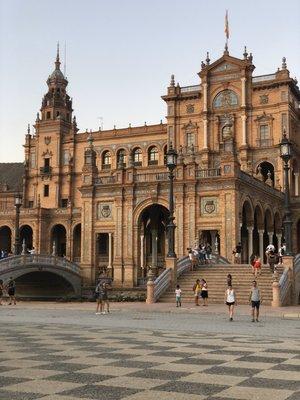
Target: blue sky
x: 121, y: 53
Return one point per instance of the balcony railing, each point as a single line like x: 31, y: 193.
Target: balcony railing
x: 208, y: 173
x: 46, y: 170
x: 264, y: 142
x: 105, y: 180
x: 152, y: 177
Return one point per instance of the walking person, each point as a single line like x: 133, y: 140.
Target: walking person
x: 204, y: 291
x: 196, y: 290
x: 272, y: 259
x: 178, y: 296
x: 256, y: 268
x: 256, y: 299
x: 230, y: 300
x: 105, y: 301
x: 229, y: 280
x: 11, y: 291
x: 1, y: 291
x: 237, y: 253
x: 281, y: 252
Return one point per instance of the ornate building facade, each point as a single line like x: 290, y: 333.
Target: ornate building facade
x: 101, y: 198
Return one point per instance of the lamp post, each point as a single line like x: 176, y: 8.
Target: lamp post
x: 171, y: 164
x: 18, y: 204
x: 285, y: 154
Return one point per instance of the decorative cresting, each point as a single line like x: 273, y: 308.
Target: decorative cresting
x: 225, y: 99
x: 17, y: 266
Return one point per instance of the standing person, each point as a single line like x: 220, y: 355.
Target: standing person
x: 230, y: 300
x: 272, y: 260
x: 105, y: 298
x: 196, y: 290
x: 202, y: 254
x: 178, y: 296
x: 204, y: 291
x: 1, y: 291
x: 256, y: 269
x: 99, y: 297
x: 190, y: 255
x: 281, y: 252
x: 270, y: 248
x: 237, y: 253
x: 11, y: 291
x: 256, y: 299
x: 208, y: 253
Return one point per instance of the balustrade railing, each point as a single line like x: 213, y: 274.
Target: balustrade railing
x: 161, y: 283
x: 151, y: 177
x: 262, y: 78
x: 105, y: 180
x: 208, y: 173
x: 284, y: 287
x: 264, y: 142
x: 37, y: 259
x: 186, y: 89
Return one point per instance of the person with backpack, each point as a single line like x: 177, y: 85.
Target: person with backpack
x: 272, y: 260
x: 99, y: 298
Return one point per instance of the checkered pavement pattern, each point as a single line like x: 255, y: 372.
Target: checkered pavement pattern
x: 52, y: 362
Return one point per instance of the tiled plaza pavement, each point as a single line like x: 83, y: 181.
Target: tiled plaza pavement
x: 59, y: 362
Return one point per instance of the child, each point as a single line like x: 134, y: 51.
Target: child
x: 178, y: 296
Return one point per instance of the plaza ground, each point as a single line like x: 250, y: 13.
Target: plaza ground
x: 63, y: 351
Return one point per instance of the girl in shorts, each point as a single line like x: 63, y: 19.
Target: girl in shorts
x: 230, y: 300
x: 204, y: 292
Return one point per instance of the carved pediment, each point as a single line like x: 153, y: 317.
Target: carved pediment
x: 47, y: 153
x: 190, y: 126
x: 264, y: 117
x: 225, y: 67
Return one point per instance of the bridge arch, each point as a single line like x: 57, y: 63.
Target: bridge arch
x: 41, y: 273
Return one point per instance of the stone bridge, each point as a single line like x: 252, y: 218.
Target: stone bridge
x: 21, y: 265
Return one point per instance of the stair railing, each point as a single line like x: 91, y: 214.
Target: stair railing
x: 183, y: 265
x: 284, y: 287
x: 161, y: 283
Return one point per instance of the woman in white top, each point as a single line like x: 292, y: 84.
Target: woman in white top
x: 230, y: 300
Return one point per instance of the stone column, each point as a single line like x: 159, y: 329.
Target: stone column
x: 244, y: 130
x: 296, y: 174
x: 279, y: 238
x: 205, y: 141
x: 109, y: 250
x: 270, y: 234
x: 243, y: 79
x: 154, y: 249
x: 142, y: 254
x: 261, y: 244
x: 250, y: 240
x: 204, y: 86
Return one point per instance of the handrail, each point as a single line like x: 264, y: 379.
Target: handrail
x: 40, y: 259
x: 183, y: 265
x: 284, y: 286
x: 161, y: 283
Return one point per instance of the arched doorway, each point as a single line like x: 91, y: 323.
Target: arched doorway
x: 77, y: 243
x: 59, y: 239
x: 246, y: 231
x: 258, y: 232
x: 26, y: 235
x: 152, y: 226
x: 5, y: 239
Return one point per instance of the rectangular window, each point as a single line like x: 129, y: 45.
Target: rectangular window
x: 190, y: 139
x: 30, y: 204
x: 284, y: 122
x: 46, y: 162
x: 65, y: 157
x: 170, y: 110
x: 64, y: 203
x: 264, y: 132
x: 46, y: 190
x: 48, y: 115
x: 284, y: 96
x: 32, y: 160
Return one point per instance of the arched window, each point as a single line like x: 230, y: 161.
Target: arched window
x: 137, y: 157
x: 121, y: 158
x: 265, y: 172
x: 225, y: 99
x: 165, y: 154
x: 153, y: 156
x: 106, y: 160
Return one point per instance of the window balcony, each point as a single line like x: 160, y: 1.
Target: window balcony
x: 46, y: 170
x: 106, y: 166
x: 153, y: 162
x: 264, y: 142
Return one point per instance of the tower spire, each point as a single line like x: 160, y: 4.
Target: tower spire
x: 226, y: 31
x: 57, y: 62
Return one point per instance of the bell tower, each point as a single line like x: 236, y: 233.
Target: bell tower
x: 54, y: 142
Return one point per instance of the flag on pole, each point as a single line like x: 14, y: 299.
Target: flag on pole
x: 226, y: 30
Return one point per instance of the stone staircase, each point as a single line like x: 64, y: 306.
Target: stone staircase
x: 215, y: 276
